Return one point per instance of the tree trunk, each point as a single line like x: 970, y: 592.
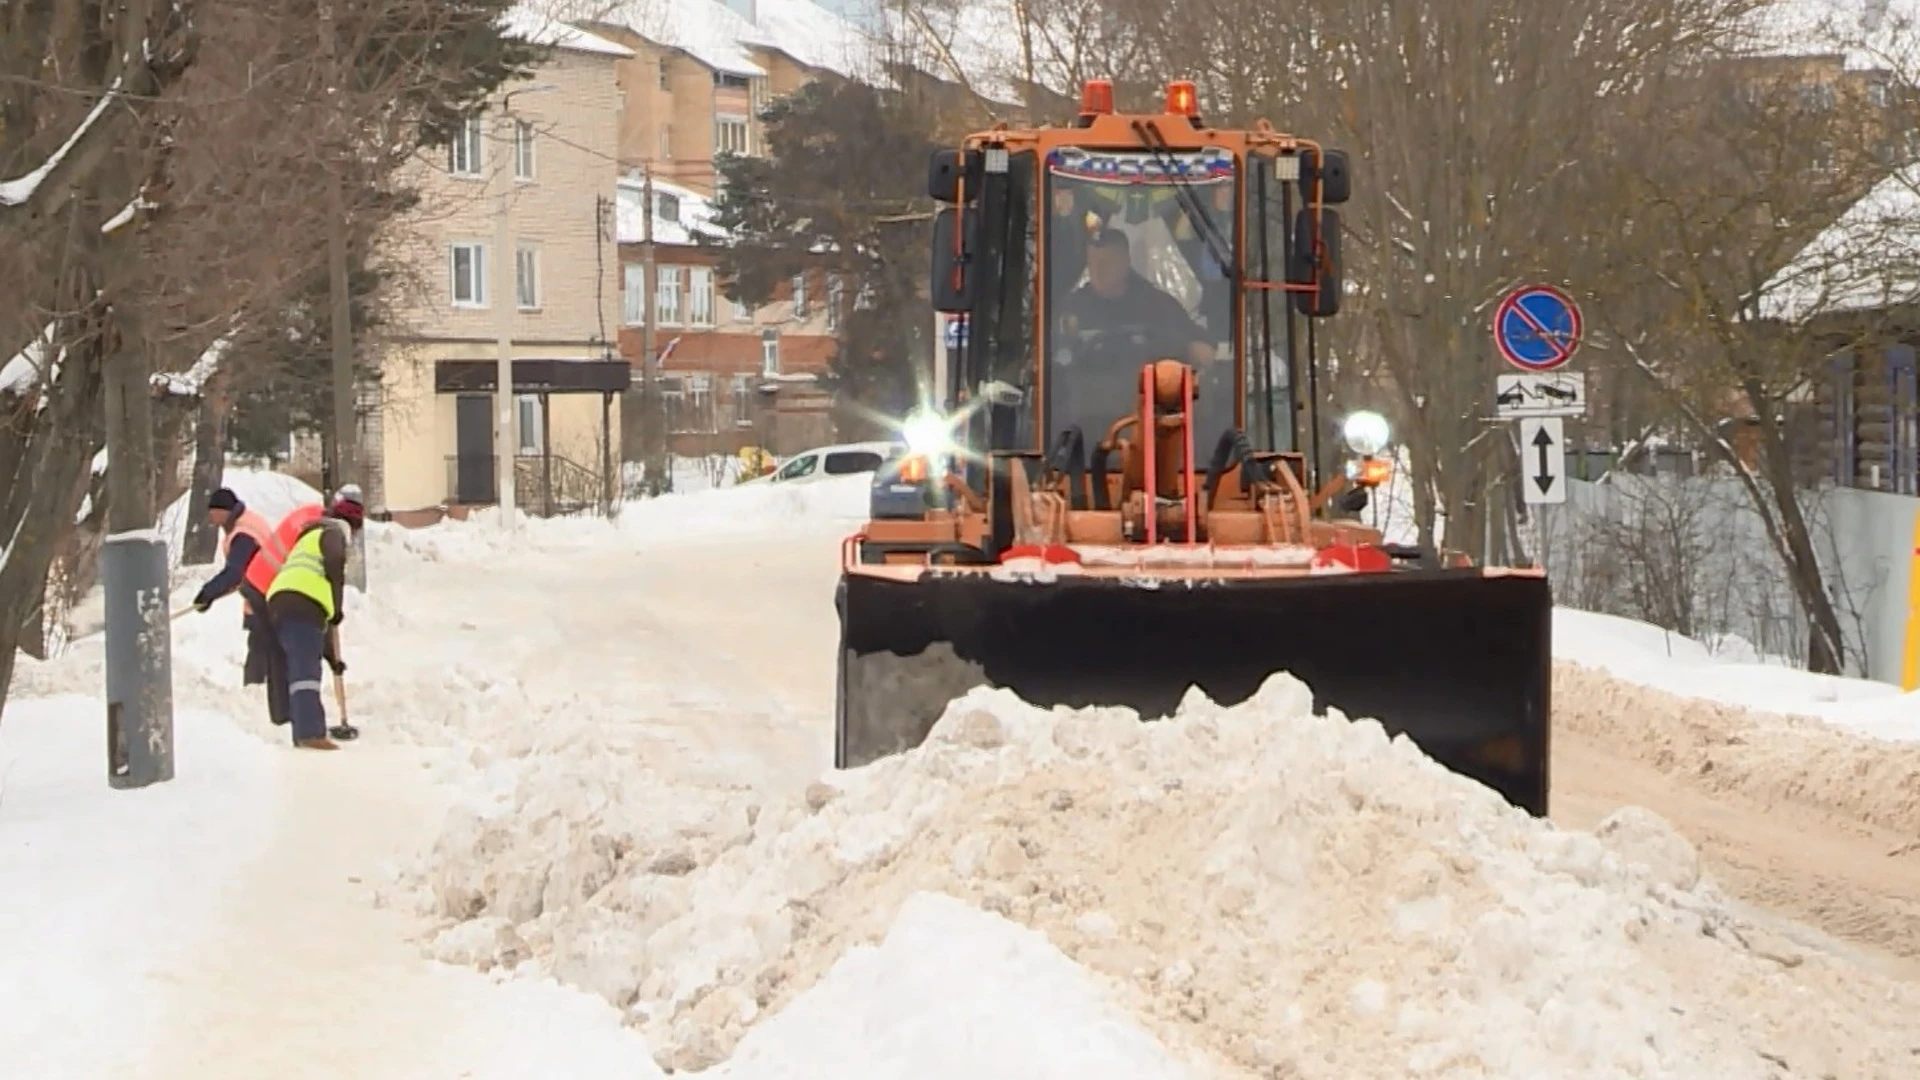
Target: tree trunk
x: 39, y: 504
x: 209, y: 465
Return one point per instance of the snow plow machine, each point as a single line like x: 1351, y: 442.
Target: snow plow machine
x: 1116, y: 487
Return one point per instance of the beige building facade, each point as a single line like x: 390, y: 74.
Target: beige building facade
x: 514, y: 238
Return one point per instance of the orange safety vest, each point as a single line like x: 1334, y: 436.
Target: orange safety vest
x: 292, y: 526
x: 266, y: 561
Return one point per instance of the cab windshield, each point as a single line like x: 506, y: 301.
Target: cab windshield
x: 1137, y: 272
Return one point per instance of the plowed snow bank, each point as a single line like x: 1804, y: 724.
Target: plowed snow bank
x: 1294, y: 894
x: 1765, y: 757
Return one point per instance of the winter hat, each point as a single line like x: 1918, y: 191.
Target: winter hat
x: 223, y: 499
x: 348, y: 509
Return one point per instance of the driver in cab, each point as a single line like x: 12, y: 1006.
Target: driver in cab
x: 1115, y: 298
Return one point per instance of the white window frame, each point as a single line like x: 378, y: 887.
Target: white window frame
x: 527, y: 420
x: 724, y: 123
x: 633, y: 294
x: 467, y: 153
x: 526, y: 277
x: 742, y: 313
x: 799, y: 287
x: 665, y: 201
x: 743, y: 401
x: 769, y: 352
x: 478, y: 266
x: 666, y: 295
x: 836, y: 297
x: 700, y: 296
x: 524, y: 163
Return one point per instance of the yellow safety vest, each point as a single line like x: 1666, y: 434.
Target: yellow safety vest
x: 305, y: 572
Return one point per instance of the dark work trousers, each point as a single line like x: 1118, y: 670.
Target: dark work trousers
x: 265, y: 656
x: 258, y: 631
x: 303, y: 642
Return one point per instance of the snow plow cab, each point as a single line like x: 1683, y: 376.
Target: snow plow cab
x: 1121, y: 490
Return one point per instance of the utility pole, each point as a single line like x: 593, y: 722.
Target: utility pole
x: 346, y: 433
x: 655, y: 421
x: 504, y: 445
x: 133, y: 576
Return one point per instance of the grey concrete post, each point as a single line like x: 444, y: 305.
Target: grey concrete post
x: 139, y: 660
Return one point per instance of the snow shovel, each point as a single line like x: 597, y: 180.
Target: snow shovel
x: 344, y: 731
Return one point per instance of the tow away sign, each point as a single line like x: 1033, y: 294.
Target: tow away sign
x: 1553, y: 393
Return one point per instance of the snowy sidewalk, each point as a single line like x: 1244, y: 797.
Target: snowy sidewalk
x: 309, y: 979
x: 220, y: 930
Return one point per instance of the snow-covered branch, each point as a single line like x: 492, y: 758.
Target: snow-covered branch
x: 191, y: 382
x: 16, y: 192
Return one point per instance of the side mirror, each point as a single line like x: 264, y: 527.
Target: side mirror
x: 1336, y: 185
x: 945, y: 170
x: 952, y: 281
x: 1315, y: 260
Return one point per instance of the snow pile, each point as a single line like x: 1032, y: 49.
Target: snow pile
x: 749, y: 508
x: 1731, y: 672
x: 953, y: 993
x: 1767, y: 758
x: 1295, y: 895
x: 273, y: 494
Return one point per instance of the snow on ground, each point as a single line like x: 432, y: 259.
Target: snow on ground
x: 596, y: 754
x: 105, y: 895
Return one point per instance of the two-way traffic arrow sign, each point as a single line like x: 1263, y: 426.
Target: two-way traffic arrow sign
x: 1543, y: 459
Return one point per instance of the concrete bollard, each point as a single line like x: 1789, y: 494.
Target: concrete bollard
x: 139, y: 660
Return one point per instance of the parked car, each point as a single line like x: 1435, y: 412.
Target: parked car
x: 827, y: 462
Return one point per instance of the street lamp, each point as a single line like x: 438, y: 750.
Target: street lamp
x: 506, y: 265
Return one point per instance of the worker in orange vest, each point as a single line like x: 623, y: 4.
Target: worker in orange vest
x: 251, y: 553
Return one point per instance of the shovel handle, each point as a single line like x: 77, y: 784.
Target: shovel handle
x: 339, y: 680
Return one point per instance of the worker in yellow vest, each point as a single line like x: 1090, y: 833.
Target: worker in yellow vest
x: 251, y: 556
x: 305, y: 603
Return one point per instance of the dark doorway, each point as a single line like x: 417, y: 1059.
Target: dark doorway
x: 473, y: 466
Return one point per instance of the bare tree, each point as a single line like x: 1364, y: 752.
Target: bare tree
x: 155, y: 178
x: 1728, y: 323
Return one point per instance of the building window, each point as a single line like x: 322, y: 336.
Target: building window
x: 669, y: 207
x: 1877, y: 94
x: 836, y: 296
x: 742, y: 401
x: 799, y: 286
x: 666, y: 297
x: 532, y: 433
x: 700, y: 296
x: 526, y: 277
x: 730, y: 82
x: 666, y: 142
x: 729, y: 134
x: 1904, y: 446
x: 769, y: 352
x: 1817, y: 98
x: 688, y: 402
x: 522, y: 150
x: 469, y: 269
x: 633, y: 294
x: 666, y: 80
x: 464, y: 154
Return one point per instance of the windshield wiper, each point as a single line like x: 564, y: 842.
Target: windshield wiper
x: 1197, y: 216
